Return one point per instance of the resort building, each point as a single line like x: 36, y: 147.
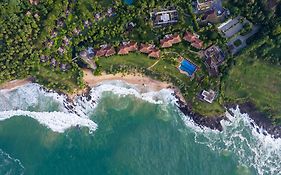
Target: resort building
x: 169, y: 40
x: 164, y: 17
x: 155, y: 53
x: 150, y: 49
x: 146, y: 48
x: 204, y: 4
x: 208, y: 96
x: 127, y: 47
x: 214, y: 58
x: 194, y: 40
x: 105, y: 50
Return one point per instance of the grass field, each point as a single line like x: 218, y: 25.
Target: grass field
x: 166, y: 68
x: 258, y: 82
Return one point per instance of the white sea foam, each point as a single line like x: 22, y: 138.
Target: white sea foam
x: 252, y: 149
x: 57, y: 121
x: 121, y: 88
x: 19, y: 102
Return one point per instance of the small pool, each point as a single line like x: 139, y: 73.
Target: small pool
x: 188, y: 67
x: 129, y: 2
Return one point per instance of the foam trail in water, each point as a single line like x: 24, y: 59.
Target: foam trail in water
x: 9, y: 165
x: 253, y: 149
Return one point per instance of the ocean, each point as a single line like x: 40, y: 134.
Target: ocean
x: 121, y: 129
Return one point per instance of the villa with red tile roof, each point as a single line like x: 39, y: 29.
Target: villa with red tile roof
x: 105, y: 50
x: 155, y: 53
x: 194, y: 40
x: 150, y: 49
x: 146, y: 48
x: 169, y: 40
x: 127, y: 47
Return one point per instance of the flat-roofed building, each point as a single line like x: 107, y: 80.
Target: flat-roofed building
x: 208, y: 96
x: 204, y: 4
x: 164, y: 17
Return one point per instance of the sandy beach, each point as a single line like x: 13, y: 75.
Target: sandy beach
x: 136, y: 79
x: 141, y: 81
x: 15, y: 84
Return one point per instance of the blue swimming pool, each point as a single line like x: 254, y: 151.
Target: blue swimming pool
x: 188, y: 67
x: 129, y: 2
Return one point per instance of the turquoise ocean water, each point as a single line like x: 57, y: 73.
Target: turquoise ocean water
x: 133, y: 131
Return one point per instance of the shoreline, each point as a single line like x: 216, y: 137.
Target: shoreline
x: 135, y: 79
x: 145, y: 83
x: 141, y: 81
x: 14, y: 84
x: 260, y: 119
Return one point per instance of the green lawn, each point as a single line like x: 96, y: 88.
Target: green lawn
x: 256, y: 81
x: 131, y: 59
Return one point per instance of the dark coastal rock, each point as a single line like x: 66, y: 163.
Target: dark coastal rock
x: 210, y: 122
x: 261, y: 119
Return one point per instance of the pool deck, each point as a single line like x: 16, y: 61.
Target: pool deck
x: 181, y: 59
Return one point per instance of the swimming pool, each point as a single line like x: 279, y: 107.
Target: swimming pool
x: 129, y: 2
x: 188, y: 67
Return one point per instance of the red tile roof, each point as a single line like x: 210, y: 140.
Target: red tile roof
x: 194, y: 40
x: 175, y: 39
x: 146, y: 48
x: 188, y: 36
x: 155, y: 53
x: 169, y: 40
x: 127, y: 47
x: 105, y: 50
x: 110, y: 51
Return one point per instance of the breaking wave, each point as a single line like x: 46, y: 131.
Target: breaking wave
x: 54, y: 111
x: 240, y: 137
